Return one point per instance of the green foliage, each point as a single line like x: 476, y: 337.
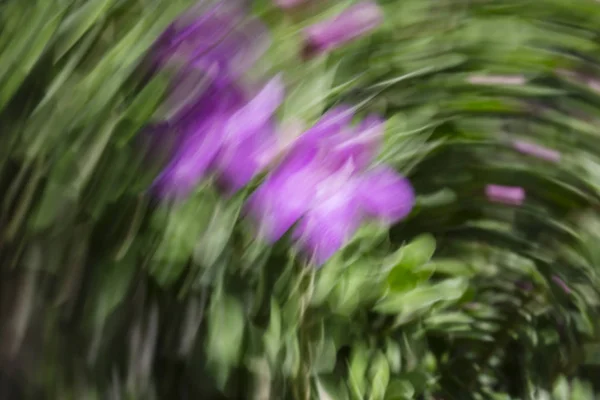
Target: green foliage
x: 116, y: 295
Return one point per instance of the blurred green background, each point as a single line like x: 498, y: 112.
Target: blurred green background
x: 108, y: 294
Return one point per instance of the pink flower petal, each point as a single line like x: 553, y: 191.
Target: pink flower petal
x: 535, y: 150
x: 361, y: 147
x: 333, y: 217
x: 239, y: 163
x: 513, y: 195
x: 354, y: 22
x: 257, y: 112
x: 332, y: 123
x: 192, y: 161
x: 387, y: 195
x: 285, y: 196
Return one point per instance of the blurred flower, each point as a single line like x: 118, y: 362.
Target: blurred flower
x: 352, y: 23
x: 223, y: 132
x: 218, y: 127
x: 325, y: 185
x: 220, y: 41
x: 514, y: 195
x: 249, y: 137
x: 536, y: 151
x: 210, y: 48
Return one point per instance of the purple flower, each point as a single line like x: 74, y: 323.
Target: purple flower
x: 222, y: 132
x: 332, y: 214
x: 326, y: 188
x: 536, y: 151
x: 249, y: 136
x: 513, y: 195
x: 220, y: 42
x: 384, y: 195
x: 354, y: 22
x: 343, y: 199
x: 360, y: 144
x: 218, y: 127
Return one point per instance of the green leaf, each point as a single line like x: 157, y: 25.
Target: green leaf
x: 226, y: 324
x: 180, y: 227
x: 561, y: 389
x: 440, y: 198
x: 330, y: 389
x: 324, y: 353
x: 307, y: 100
x: 581, y: 390
x: 113, y: 280
x: 452, y: 318
x: 400, y: 389
x: 449, y: 267
x: 143, y: 107
x: 28, y: 47
x: 326, y: 280
x: 355, y: 286
x: 216, y: 235
x: 59, y: 83
x: 272, y: 338
x: 358, y: 369
x: 99, y: 86
x: 291, y: 363
x: 92, y: 154
x: 417, y: 253
x: 78, y: 23
x: 407, y: 259
x: 393, y: 353
x: 592, y: 354
x: 380, y: 377
x: 422, y: 297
